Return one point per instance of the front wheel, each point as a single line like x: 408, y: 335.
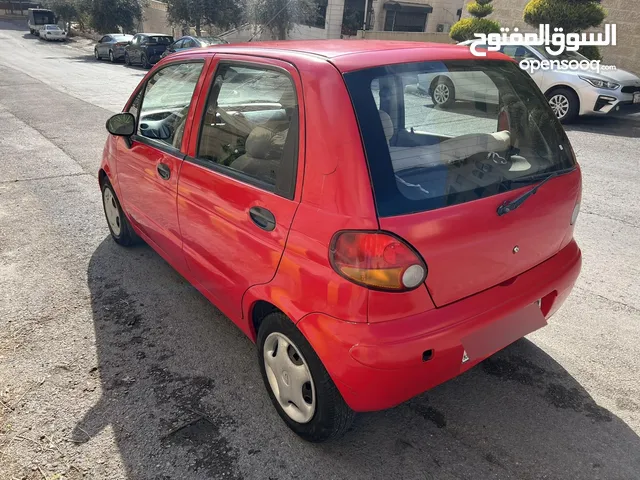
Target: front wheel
x: 112, y: 59
x: 443, y: 92
x: 96, y: 54
x: 145, y: 61
x: 565, y: 104
x: 127, y: 60
x: 299, y: 386
x: 119, y: 226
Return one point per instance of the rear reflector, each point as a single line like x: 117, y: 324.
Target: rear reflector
x: 376, y: 260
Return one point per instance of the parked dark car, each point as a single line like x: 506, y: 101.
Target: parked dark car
x: 112, y: 46
x: 186, y: 43
x: 146, y: 48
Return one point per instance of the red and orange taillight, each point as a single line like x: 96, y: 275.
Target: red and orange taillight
x: 377, y: 260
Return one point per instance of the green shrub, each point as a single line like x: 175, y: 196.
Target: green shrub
x: 466, y: 27
x: 591, y: 52
x: 572, y: 15
x: 479, y: 10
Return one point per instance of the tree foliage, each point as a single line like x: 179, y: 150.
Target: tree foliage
x: 574, y: 16
x: 279, y: 16
x: 196, y: 13
x: 108, y: 16
x: 465, y: 28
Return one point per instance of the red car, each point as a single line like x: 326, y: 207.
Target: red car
x: 372, y: 244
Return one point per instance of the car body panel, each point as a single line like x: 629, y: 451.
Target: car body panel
x: 113, y: 42
x: 141, y: 45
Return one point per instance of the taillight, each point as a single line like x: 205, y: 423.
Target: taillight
x: 376, y: 260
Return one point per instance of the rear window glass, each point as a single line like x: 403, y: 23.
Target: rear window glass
x: 444, y: 133
x: 161, y: 40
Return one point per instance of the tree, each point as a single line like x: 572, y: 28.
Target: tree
x: 220, y: 13
x: 280, y: 16
x: 465, y: 28
x: 573, y: 16
x: 66, y: 10
x: 106, y: 16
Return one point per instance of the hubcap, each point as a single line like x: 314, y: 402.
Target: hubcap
x: 441, y: 93
x: 559, y: 105
x: 111, y: 211
x: 289, y: 377
x: 111, y: 56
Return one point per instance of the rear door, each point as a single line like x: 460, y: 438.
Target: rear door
x: 148, y: 168
x: 240, y: 186
x: 440, y: 182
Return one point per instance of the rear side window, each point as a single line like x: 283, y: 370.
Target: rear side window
x: 166, y: 102
x: 161, y: 40
x: 444, y: 133
x: 250, y: 127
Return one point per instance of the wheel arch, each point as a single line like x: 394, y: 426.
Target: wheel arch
x: 564, y: 86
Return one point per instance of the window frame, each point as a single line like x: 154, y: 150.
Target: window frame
x: 178, y: 152
x: 296, y: 128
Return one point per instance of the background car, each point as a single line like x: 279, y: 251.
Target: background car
x: 52, y: 32
x: 579, y: 92
x: 112, y: 46
x: 146, y: 48
x: 186, y: 43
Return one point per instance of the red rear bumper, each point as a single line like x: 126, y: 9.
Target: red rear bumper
x: 378, y: 366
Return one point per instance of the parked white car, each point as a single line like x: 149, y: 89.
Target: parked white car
x: 570, y: 92
x: 52, y: 32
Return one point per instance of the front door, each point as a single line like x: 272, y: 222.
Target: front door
x: 237, y: 191
x: 148, y: 168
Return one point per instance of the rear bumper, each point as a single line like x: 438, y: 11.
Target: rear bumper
x: 378, y: 366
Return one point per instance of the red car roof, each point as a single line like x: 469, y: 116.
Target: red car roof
x: 349, y: 55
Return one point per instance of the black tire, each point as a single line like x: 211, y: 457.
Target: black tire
x: 127, y: 60
x: 96, y: 54
x: 332, y: 417
x: 112, y: 59
x: 145, y: 61
x: 127, y: 236
x: 447, y: 86
x: 573, y: 102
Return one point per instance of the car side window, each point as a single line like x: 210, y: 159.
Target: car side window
x: 135, y: 40
x: 166, y: 101
x: 517, y: 52
x: 250, y: 127
x: 105, y: 39
x: 189, y: 43
x: 178, y: 44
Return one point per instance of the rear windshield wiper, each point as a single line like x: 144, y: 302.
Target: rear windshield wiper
x: 507, y: 206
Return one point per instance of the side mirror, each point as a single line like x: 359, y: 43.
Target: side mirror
x: 122, y: 125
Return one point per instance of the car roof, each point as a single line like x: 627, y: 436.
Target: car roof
x: 156, y: 34
x: 350, y: 55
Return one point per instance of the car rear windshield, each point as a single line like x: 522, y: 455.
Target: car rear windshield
x: 52, y: 27
x: 161, y: 40
x: 444, y: 133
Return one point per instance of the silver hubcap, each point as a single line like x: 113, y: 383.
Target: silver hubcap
x: 441, y: 93
x: 289, y: 377
x: 559, y: 105
x: 111, y: 56
x: 95, y: 52
x: 111, y: 211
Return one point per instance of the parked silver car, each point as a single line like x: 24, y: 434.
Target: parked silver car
x: 570, y: 92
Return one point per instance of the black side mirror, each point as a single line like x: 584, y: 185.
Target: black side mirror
x: 122, y: 125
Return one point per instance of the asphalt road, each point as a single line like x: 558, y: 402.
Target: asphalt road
x: 105, y: 352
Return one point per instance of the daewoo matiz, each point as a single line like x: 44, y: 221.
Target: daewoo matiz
x: 370, y: 243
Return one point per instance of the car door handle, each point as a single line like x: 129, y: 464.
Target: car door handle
x: 164, y: 171
x: 263, y: 218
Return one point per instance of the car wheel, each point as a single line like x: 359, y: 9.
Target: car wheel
x: 119, y: 226
x: 299, y: 386
x: 145, y: 61
x: 96, y: 54
x: 112, y: 59
x: 565, y: 104
x: 127, y: 60
x: 443, y: 92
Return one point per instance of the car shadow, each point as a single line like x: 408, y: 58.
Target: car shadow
x: 183, y: 397
x: 617, y: 126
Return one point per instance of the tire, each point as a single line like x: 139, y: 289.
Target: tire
x: 564, y: 103
x: 443, y: 93
x: 112, y: 59
x: 145, y: 61
x: 127, y: 60
x: 96, y: 54
x: 331, y: 417
x: 121, y: 231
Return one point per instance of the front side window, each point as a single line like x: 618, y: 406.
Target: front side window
x: 166, y: 101
x: 498, y: 135
x: 250, y: 126
x: 158, y: 40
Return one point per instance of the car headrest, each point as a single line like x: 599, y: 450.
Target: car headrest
x: 387, y: 124
x: 262, y: 143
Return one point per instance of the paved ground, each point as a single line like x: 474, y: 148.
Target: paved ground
x: 104, y: 351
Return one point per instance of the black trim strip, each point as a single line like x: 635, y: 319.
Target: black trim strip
x: 163, y: 147
x: 229, y: 172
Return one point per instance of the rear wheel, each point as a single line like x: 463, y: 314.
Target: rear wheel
x: 145, y: 61
x: 299, y: 386
x: 565, y: 104
x: 119, y: 226
x: 443, y: 92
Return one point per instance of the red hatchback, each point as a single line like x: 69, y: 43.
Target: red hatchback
x: 373, y: 244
